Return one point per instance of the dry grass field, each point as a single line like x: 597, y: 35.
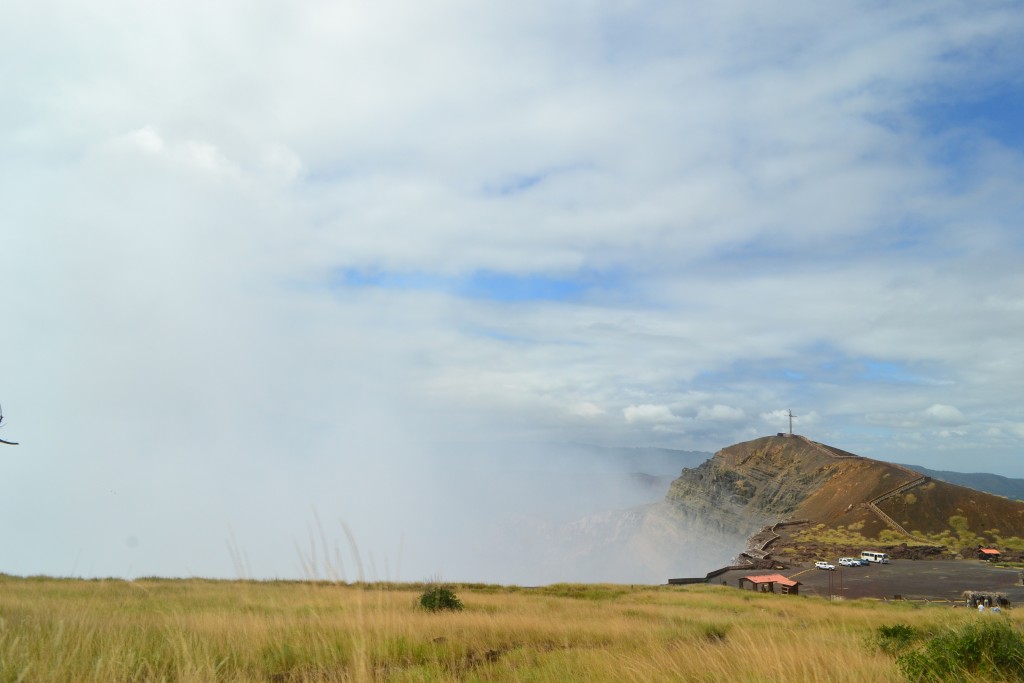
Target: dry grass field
x: 196, y: 630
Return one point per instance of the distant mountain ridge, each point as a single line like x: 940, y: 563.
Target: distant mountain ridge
x: 979, y: 481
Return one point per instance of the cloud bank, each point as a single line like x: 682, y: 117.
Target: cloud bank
x: 264, y: 261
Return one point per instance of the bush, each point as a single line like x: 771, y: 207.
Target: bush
x: 436, y: 598
x: 989, y: 649
x: 894, y: 639
x: 714, y: 633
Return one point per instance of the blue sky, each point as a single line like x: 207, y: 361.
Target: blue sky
x: 500, y: 288
x: 280, y: 253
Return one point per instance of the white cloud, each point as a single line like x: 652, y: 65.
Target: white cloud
x: 753, y: 225
x: 647, y: 413
x: 147, y: 139
x: 587, y: 409
x: 944, y: 415
x: 720, y: 413
x: 195, y: 155
x: 779, y: 421
x: 936, y: 414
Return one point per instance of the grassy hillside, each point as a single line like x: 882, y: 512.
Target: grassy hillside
x: 70, y: 630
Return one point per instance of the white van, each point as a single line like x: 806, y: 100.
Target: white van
x: 872, y: 556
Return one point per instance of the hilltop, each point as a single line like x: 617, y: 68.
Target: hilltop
x: 840, y: 497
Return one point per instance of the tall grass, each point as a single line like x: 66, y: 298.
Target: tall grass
x: 988, y: 649
x: 195, y: 630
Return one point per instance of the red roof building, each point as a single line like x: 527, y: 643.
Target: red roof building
x: 988, y: 554
x: 765, y: 583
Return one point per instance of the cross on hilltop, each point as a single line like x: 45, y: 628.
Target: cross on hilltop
x: 791, y: 416
x: 9, y: 443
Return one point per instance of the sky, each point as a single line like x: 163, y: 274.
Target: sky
x: 288, y: 276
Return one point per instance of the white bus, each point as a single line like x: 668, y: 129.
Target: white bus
x: 872, y: 556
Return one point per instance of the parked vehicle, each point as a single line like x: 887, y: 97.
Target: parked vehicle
x: 849, y: 562
x: 874, y: 556
x: 824, y: 565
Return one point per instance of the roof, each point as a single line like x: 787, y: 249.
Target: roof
x: 989, y: 551
x: 772, y: 578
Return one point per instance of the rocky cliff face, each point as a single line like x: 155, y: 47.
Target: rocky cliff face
x: 748, y: 485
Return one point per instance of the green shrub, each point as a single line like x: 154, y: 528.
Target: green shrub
x: 989, y: 649
x: 894, y: 639
x: 436, y: 598
x: 714, y: 633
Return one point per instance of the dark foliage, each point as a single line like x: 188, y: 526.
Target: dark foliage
x: 989, y: 648
x: 436, y: 598
x: 894, y: 639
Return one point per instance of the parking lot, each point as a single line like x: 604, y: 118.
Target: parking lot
x: 911, y: 579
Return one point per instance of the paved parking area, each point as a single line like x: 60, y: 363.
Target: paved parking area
x: 912, y: 579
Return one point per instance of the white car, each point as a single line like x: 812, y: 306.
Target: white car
x: 824, y: 565
x: 849, y: 562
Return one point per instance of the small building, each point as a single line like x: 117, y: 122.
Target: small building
x: 990, y: 554
x: 766, y: 584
